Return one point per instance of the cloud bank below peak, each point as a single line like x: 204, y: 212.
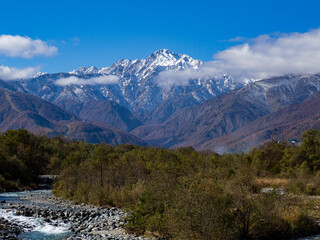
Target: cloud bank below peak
x: 12, y: 73
x: 262, y: 57
x: 73, y: 80
x: 25, y: 47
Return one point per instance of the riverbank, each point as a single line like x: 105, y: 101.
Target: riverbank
x: 60, y: 217
x: 9, y: 230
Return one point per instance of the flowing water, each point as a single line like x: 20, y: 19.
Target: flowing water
x: 34, y: 228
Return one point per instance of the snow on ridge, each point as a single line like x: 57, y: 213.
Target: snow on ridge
x: 38, y: 74
x: 89, y: 70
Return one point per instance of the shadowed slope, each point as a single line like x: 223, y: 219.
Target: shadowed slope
x: 20, y: 110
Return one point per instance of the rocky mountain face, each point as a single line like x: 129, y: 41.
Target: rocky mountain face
x: 137, y: 88
x: 224, y: 114
x: 21, y: 110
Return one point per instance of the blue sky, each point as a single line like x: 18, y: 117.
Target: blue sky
x: 98, y: 33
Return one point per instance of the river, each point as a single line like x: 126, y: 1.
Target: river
x: 42, y: 216
x: 33, y: 227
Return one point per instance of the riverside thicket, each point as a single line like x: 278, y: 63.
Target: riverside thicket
x: 181, y: 193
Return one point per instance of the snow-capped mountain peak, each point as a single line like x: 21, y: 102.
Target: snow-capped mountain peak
x: 160, y: 58
x: 164, y: 57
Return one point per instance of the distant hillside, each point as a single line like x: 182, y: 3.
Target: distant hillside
x: 109, y: 112
x: 285, y: 124
x: 19, y: 110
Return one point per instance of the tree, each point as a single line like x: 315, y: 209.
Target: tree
x: 100, y: 159
x: 310, y: 148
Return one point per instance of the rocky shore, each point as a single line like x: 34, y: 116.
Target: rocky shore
x: 9, y: 230
x: 83, y: 221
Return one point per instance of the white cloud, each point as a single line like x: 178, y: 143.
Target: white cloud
x: 168, y: 78
x: 73, y: 80
x: 25, y: 47
x: 262, y: 57
x: 8, y: 73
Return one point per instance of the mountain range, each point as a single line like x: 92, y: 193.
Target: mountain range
x: 137, y: 88
x: 217, y: 113
x: 239, y: 109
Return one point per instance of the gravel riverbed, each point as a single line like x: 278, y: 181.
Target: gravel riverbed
x: 81, y: 221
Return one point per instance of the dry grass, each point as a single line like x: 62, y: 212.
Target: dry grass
x: 292, y: 212
x: 272, y: 182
